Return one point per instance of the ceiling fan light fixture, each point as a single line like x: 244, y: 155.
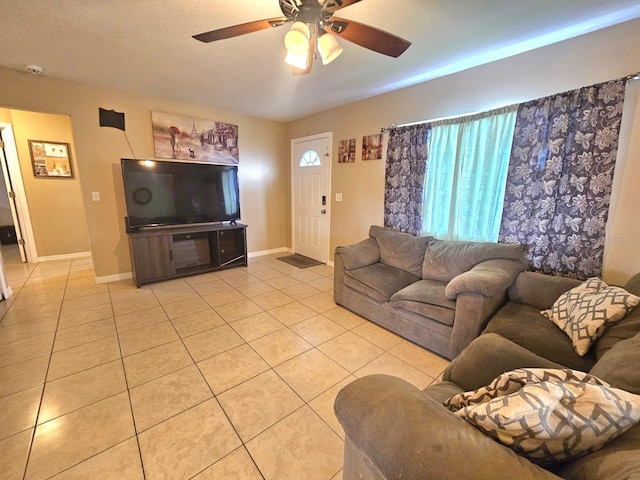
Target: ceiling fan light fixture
x: 297, y: 38
x: 297, y: 60
x: 329, y: 48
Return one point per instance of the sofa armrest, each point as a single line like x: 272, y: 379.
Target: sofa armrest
x: 393, y: 431
x: 488, y: 356
x: 359, y: 254
x: 486, y: 278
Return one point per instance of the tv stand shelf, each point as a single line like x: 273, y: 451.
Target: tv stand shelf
x: 159, y: 254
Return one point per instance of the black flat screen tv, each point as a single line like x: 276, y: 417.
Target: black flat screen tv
x: 165, y: 193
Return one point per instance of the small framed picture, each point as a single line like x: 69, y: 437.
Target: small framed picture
x: 372, y: 147
x: 347, y: 151
x: 50, y: 159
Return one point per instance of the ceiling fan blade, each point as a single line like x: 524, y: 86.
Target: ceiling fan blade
x: 368, y: 37
x: 236, y: 30
x: 333, y: 5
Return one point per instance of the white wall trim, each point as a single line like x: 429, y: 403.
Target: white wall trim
x: 65, y: 256
x: 129, y: 275
x: 269, y: 252
x: 114, y: 278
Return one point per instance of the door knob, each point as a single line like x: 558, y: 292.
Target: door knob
x: 323, y: 211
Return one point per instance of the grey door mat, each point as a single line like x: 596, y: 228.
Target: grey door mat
x: 300, y: 261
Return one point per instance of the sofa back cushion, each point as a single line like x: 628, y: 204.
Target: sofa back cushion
x: 444, y: 259
x: 619, y: 365
x: 540, y: 290
x: 628, y: 327
x: 400, y: 250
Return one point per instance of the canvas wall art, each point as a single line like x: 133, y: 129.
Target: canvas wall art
x: 372, y: 147
x: 187, y: 138
x: 347, y: 151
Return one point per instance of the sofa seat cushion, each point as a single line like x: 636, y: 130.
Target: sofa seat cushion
x: 618, y: 460
x: 525, y: 326
x: 400, y: 250
x: 378, y: 281
x: 426, y: 298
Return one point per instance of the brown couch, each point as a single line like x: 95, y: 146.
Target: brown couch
x: 393, y: 430
x: 438, y: 294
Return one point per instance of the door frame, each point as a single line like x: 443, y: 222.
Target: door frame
x: 22, y: 208
x: 294, y: 165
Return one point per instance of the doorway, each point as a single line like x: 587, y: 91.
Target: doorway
x: 310, y: 195
x: 17, y: 215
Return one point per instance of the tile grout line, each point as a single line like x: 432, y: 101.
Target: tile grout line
x: 126, y: 381
x: 214, y: 396
x: 272, y: 368
x: 200, y: 296
x: 44, y: 384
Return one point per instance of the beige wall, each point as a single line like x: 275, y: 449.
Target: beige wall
x: 600, y: 56
x: 263, y: 159
x: 55, y: 204
x: 264, y: 145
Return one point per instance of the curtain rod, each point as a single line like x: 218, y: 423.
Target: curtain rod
x: 633, y: 76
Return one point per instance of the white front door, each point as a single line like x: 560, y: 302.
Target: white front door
x: 311, y: 170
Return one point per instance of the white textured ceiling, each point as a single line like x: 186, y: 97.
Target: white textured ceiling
x: 146, y: 46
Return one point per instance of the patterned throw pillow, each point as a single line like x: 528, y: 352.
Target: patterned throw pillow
x: 584, y: 312
x: 548, y: 416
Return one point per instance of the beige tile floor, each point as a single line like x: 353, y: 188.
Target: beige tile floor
x: 227, y: 375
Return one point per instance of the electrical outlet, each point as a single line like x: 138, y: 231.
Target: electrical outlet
x: 95, y: 196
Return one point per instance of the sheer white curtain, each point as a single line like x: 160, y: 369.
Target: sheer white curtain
x: 466, y: 175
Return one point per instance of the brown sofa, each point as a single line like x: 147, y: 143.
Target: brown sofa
x: 438, y: 294
x: 393, y: 430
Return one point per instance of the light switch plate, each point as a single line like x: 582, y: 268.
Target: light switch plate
x: 338, y: 197
x: 95, y: 196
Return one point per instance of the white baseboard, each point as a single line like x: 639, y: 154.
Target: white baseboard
x: 67, y: 256
x: 114, y: 278
x: 128, y: 275
x: 269, y: 252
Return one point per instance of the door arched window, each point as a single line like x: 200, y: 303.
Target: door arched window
x: 310, y: 158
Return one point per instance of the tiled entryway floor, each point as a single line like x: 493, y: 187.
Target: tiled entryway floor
x: 227, y: 375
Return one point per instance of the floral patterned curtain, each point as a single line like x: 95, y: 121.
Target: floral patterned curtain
x: 560, y: 178
x: 407, y: 156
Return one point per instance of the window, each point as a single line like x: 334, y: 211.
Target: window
x: 466, y: 176
x: 310, y: 159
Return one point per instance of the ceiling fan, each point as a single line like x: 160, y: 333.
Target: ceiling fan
x: 314, y: 30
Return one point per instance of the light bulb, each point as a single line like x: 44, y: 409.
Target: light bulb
x: 329, y: 48
x: 297, y: 38
x: 297, y: 60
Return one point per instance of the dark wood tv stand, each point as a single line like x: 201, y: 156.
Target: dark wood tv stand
x: 159, y: 254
